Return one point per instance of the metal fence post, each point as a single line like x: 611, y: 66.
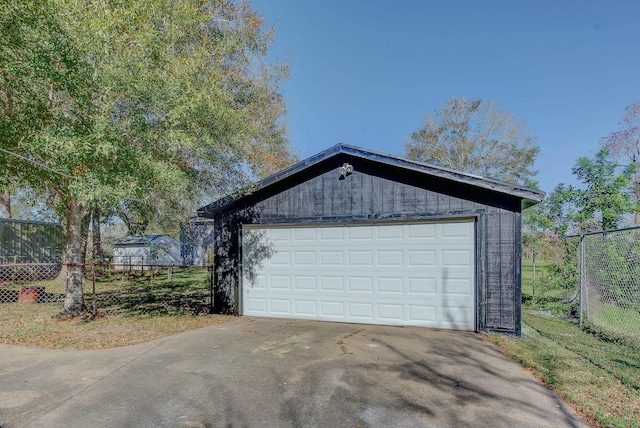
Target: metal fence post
x: 581, y: 266
x: 210, y: 269
x: 93, y: 275
x: 15, y: 268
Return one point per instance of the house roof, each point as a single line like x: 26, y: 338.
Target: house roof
x: 140, y: 239
x: 528, y: 196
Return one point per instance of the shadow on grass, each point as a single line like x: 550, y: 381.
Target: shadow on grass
x: 153, y: 293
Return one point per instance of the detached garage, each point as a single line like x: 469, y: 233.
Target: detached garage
x: 352, y: 235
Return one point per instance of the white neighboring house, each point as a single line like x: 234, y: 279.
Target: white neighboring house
x: 134, y: 252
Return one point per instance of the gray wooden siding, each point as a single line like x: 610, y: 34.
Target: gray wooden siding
x: 373, y: 193
x: 359, y: 196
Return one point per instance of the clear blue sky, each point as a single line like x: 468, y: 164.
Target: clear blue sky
x: 367, y: 72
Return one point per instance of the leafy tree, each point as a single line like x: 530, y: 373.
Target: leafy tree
x: 624, y: 146
x: 28, y: 78
x: 562, y: 211
x: 472, y: 135
x: 558, y: 215
x: 159, y: 102
x: 536, y: 224
x: 603, y: 200
x: 28, y: 203
x: 599, y: 205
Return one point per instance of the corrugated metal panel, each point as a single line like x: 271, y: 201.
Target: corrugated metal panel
x: 28, y: 242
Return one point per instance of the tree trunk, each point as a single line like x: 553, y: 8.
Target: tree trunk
x: 74, y: 300
x: 5, y: 204
x: 97, y: 237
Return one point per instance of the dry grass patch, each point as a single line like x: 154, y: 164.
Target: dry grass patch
x: 36, y: 324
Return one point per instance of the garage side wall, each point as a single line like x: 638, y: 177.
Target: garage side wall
x: 378, y: 193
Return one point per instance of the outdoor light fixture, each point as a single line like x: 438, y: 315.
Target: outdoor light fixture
x: 344, y: 170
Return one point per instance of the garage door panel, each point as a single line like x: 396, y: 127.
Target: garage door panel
x: 422, y: 285
x: 391, y: 232
x: 304, y: 283
x: 331, y: 258
x: 331, y: 234
x: 457, y: 258
x: 332, y: 309
x: 361, y: 311
x: 305, y: 307
x: 457, y: 287
x: 396, y: 274
x: 360, y: 284
x: 304, y: 234
x: 421, y: 231
x: 453, y: 230
x: 390, y: 258
x: 422, y: 258
x: 360, y: 258
x: 304, y: 258
x: 391, y: 285
x: 456, y: 316
x: 280, y: 306
x: 259, y: 283
x: 423, y: 314
x: 391, y: 312
x: 281, y: 282
x: 331, y: 283
x: 359, y: 233
x: 257, y: 305
x: 280, y: 258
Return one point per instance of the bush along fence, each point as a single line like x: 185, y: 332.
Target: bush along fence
x: 140, y: 289
x: 609, y: 266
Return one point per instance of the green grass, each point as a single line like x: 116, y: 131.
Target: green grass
x: 139, y: 306
x: 594, y: 370
x: 527, y: 275
x: 138, y: 292
x: 620, y: 324
x: 601, y: 379
x: 553, y: 300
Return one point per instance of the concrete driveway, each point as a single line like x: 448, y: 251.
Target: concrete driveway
x: 278, y: 373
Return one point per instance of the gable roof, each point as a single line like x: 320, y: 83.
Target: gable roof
x: 528, y: 196
x: 140, y: 239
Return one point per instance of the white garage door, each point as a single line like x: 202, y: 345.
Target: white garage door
x: 394, y: 274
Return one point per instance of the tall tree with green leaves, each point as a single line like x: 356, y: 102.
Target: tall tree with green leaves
x: 158, y: 102
x: 603, y: 200
x: 472, y: 135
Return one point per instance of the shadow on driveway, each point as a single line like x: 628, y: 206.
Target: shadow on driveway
x: 267, y: 372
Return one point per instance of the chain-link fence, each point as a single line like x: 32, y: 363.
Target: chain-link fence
x: 610, y: 282
x: 12, y: 271
x: 114, y: 290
